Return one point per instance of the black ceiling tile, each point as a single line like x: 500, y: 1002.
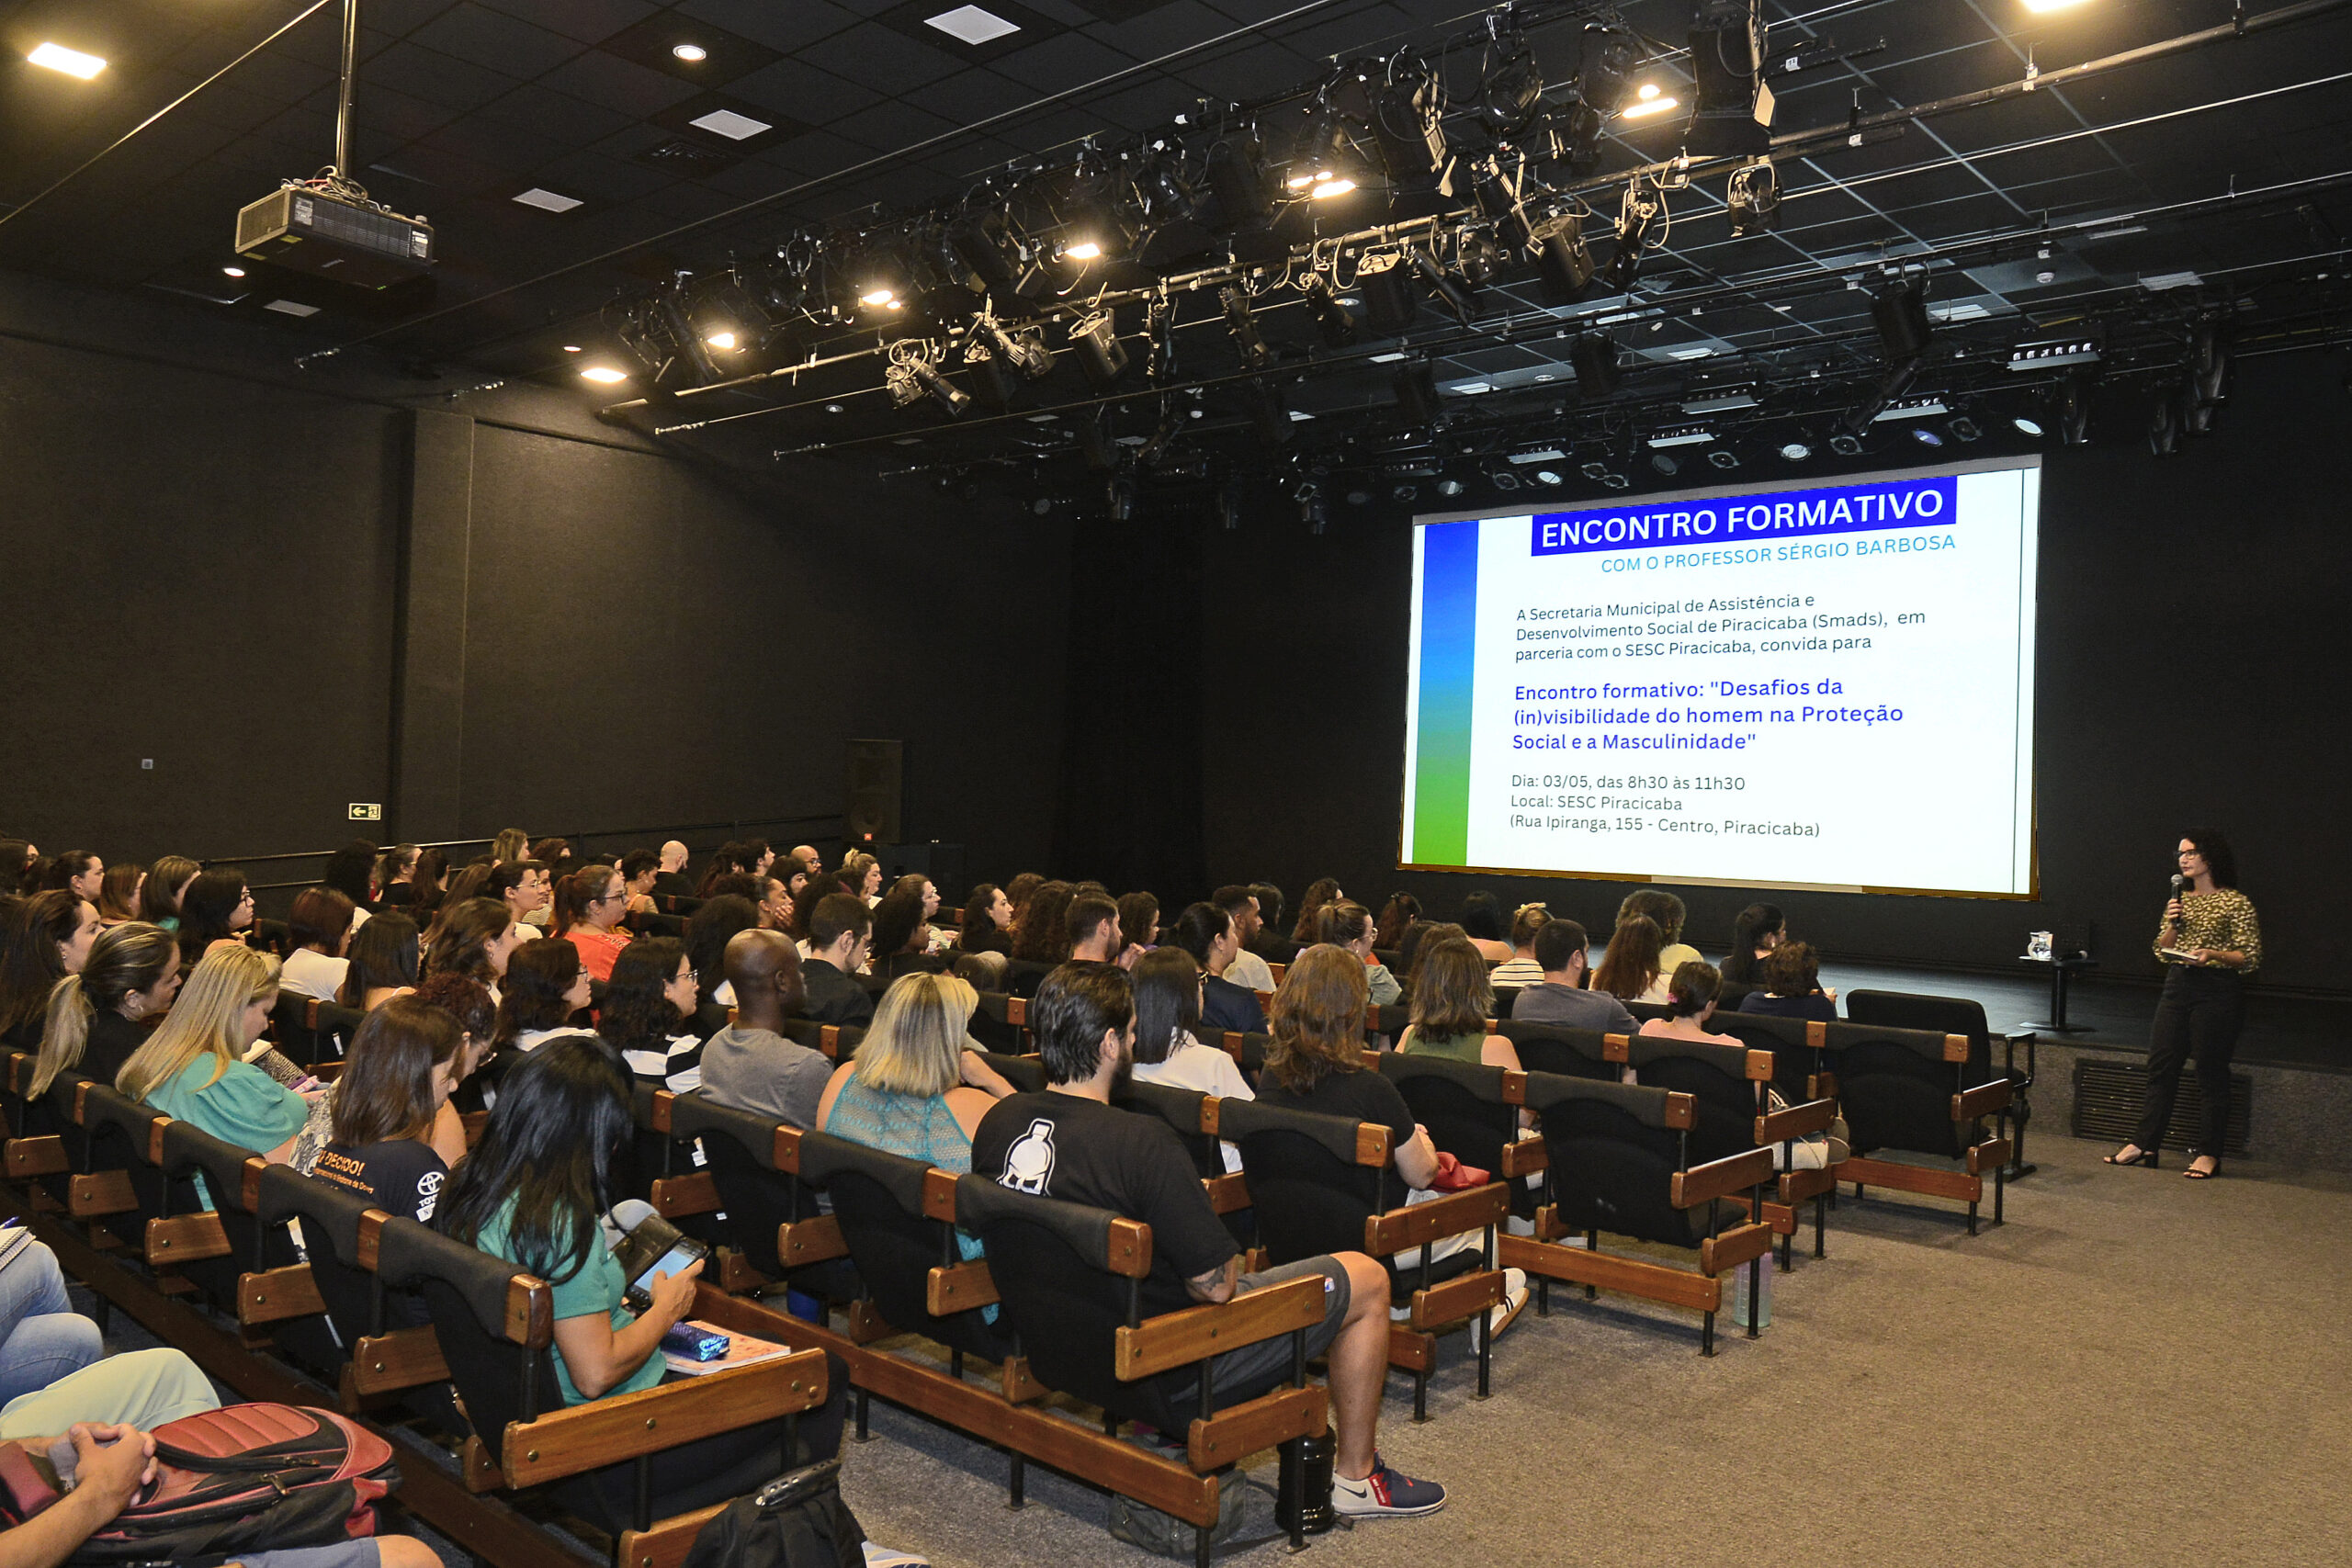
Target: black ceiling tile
x: 397, y: 18
x: 1151, y: 104
x: 381, y: 116
x: 894, y: 125
x: 454, y: 172
x: 747, y: 178
x: 590, y: 21
x: 617, y: 85
x: 1059, y: 64
x: 1176, y: 24
x: 550, y: 113
x: 779, y: 27
x: 496, y: 143
x: 595, y: 177
x: 437, y: 78
x: 874, y: 54
x: 976, y: 95
x: 1318, y: 38
x: 1242, y: 74
x: 654, y: 41
x: 798, y: 88
x: 914, y: 19
x: 472, y: 32
x: 820, y: 152
x: 280, y: 79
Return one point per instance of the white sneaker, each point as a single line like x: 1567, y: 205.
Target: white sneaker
x: 1505, y: 1311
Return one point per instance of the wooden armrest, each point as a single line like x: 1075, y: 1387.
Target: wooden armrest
x: 1244, y: 1430
x: 1616, y: 1048
x: 1721, y: 1178
x: 811, y: 1241
x: 675, y: 1196
x: 1230, y: 1193
x: 606, y: 1431
x: 1418, y: 1224
x: 959, y: 1287
x: 184, y: 1238
x: 1741, y: 1244
x: 1798, y: 1185
x: 406, y: 1358
x: 1990, y: 1155
x: 1796, y: 1122
x: 1523, y: 1157
x: 36, y: 1157
x: 1180, y: 1339
x: 1981, y: 1100
x: 278, y: 1294
x: 1821, y: 1085
x: 100, y: 1193
x: 939, y: 1196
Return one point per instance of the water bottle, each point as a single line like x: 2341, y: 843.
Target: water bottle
x: 1762, y: 1272
x: 1309, y: 1459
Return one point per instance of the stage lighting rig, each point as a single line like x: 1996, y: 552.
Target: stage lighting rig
x: 1594, y: 356
x: 1731, y: 109
x: 913, y: 375
x: 1642, y: 215
x: 1331, y: 318
x: 1160, y: 333
x: 1380, y: 280
x: 1101, y: 354
x: 1256, y: 352
x: 1753, y: 198
x: 1605, y: 67
x: 1510, y: 86
x: 1408, y: 126
x: 1563, y: 265
x: 1900, y: 314
x: 1024, y: 350
x: 1450, y: 291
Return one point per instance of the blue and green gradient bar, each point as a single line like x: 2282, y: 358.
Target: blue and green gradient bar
x: 1449, y: 645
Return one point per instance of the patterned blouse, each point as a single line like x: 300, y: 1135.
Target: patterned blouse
x: 2222, y: 920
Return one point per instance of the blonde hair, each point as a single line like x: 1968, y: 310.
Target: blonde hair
x: 915, y: 1044
x: 204, y: 1021
x: 133, y: 956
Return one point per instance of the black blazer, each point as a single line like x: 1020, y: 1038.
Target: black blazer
x: 1225, y: 1005
x: 833, y: 996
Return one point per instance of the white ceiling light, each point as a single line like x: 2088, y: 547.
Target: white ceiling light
x: 1085, y: 250
x: 732, y: 125
x: 969, y: 24
x: 73, y: 61
x: 571, y: 348
x: 721, y: 339
x: 692, y: 54
x: 1649, y: 101
x: 548, y: 200
x: 2040, y: 5
x: 233, y: 271
x: 288, y: 307
x: 603, y: 375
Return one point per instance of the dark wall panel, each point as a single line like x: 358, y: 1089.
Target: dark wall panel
x: 196, y: 570
x: 2191, y: 669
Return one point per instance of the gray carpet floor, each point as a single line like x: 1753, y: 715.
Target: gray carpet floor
x: 2135, y: 1370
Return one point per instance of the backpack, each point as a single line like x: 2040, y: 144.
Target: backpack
x: 249, y: 1478
x: 797, y: 1521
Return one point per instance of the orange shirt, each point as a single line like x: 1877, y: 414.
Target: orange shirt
x: 597, y: 949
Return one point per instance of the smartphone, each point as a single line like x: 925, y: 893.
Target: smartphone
x: 683, y: 1251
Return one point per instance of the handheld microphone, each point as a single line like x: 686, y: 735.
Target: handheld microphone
x: 2179, y: 891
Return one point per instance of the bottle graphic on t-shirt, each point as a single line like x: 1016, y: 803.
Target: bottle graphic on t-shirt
x: 1029, y: 1163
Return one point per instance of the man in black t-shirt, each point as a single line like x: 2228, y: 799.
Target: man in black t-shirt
x: 1067, y: 1142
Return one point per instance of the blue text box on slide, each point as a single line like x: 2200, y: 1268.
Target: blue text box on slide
x: 1929, y: 502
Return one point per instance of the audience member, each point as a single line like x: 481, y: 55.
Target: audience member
x: 546, y: 988
x: 1401, y: 910
x: 708, y: 931
x: 862, y: 874
x: 1482, y: 922
x: 1206, y: 932
x: 1452, y: 998
x: 118, y: 892
x: 1168, y: 1010
x: 1691, y: 1006
x: 1630, y: 966
x: 1266, y: 941
x: 1321, y: 891
x: 757, y: 857
x: 727, y: 859
x: 78, y: 871
x: 1067, y: 1142
x: 1790, y: 985
x: 97, y: 1017
x: 468, y: 1001
x: 1043, y: 935
x: 670, y: 881
x: 839, y: 936
x: 641, y: 869
x: 430, y: 882
x: 1093, y: 923
x: 192, y: 1067
x: 750, y: 1064
x: 49, y: 936
x: 1247, y: 969
x: 395, y: 876
x: 913, y: 1088
x: 736, y: 885
x: 806, y: 857
x: 474, y: 939
x: 1345, y: 923
x: 382, y: 963
x: 1139, y: 920
x: 17, y: 878
x: 472, y: 881
x: 1759, y: 929
x: 320, y: 929
x: 395, y: 1137
x: 523, y: 885
x: 1019, y: 891
x: 167, y: 883
x: 42, y: 1338
x: 512, y: 844
x: 900, y: 938
x: 647, y: 1012
x: 1521, y: 969
x: 588, y: 915
x: 216, y: 907
x: 1669, y: 913
x: 1561, y: 999
x: 351, y: 871
x: 988, y: 921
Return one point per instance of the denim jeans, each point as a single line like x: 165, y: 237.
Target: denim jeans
x: 42, y: 1338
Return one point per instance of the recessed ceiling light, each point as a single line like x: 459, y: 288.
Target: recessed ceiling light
x: 732, y: 125
x: 232, y: 272
x: 73, y: 61
x: 548, y: 200
x: 1388, y: 358
x: 692, y: 54
x: 2026, y: 426
x: 603, y: 375
x: 969, y: 24
x: 834, y: 408
x: 288, y: 307
x: 571, y: 348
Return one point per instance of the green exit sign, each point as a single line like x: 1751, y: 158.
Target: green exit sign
x: 367, y: 811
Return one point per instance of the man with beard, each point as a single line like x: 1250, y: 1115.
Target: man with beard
x: 1248, y: 970
x: 1066, y: 1141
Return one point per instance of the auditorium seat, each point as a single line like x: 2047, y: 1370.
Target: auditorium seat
x: 1556, y: 1048
x: 1914, y: 1090
x: 1729, y: 1085
x: 308, y: 1032
x: 1960, y: 1015
x: 1615, y: 1164
x: 1472, y: 1113
x: 1321, y: 1184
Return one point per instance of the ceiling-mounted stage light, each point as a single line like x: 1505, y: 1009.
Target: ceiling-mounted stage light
x: 1269, y: 411
x: 1925, y: 436
x: 1119, y: 494
x: 1450, y: 291
x: 1503, y: 479
x: 1160, y: 334
x: 1449, y: 487
x: 1900, y: 314
x: 911, y: 379
x: 1731, y: 109
x: 2027, y: 425
x: 2073, y: 408
x: 2166, y: 436
x: 1331, y: 318
x: 1679, y: 436
x: 1414, y: 388
x: 1024, y: 350
x: 1753, y: 198
x: 1964, y: 429
x: 603, y: 375
x: 981, y: 245
x: 1722, y: 458
x: 1510, y: 93
x: 1645, y: 204
x: 1666, y: 463
x: 2210, y: 362
x: 1845, y: 445
x: 1387, y: 299
x: 1649, y: 102
x: 1311, y: 508
x: 1256, y: 354
x: 1564, y: 266
x: 1795, y: 451
x: 1227, y: 515
x: 1594, y: 356
x: 2047, y: 353
x: 1548, y: 476
x: 1244, y: 209
x: 1408, y: 128
x: 1603, y: 474
x: 1604, y: 74
x: 1094, y: 442
x: 1101, y: 354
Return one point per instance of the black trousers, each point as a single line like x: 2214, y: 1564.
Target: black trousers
x: 2198, y: 1016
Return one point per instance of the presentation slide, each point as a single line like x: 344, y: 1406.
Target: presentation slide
x: 1828, y: 686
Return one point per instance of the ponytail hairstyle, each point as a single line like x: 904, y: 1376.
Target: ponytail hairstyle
x: 576, y: 892
x: 1748, y: 934
x: 1401, y: 910
x: 396, y: 859
x: 31, y: 958
x: 166, y: 880
x: 1696, y: 983
x: 430, y: 879
x: 383, y: 953
x: 133, y: 956
x: 465, y: 931
x: 1340, y: 924
x: 1321, y: 891
x: 204, y: 1023
x: 537, y: 975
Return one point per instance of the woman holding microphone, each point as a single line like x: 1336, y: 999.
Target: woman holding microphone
x: 2211, y: 940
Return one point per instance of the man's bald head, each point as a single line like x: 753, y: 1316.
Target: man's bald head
x: 674, y: 856
x: 764, y: 968
x: 807, y: 855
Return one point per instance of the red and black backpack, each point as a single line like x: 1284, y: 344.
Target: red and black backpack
x: 249, y: 1478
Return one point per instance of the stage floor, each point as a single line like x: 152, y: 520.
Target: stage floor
x: 2298, y: 1032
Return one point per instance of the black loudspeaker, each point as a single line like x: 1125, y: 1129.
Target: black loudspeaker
x: 876, y: 769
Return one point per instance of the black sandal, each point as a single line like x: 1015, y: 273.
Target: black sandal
x: 2193, y: 1174
x: 2145, y: 1157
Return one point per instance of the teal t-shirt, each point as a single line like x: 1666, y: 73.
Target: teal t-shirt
x: 246, y: 1107
x: 598, y: 1287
